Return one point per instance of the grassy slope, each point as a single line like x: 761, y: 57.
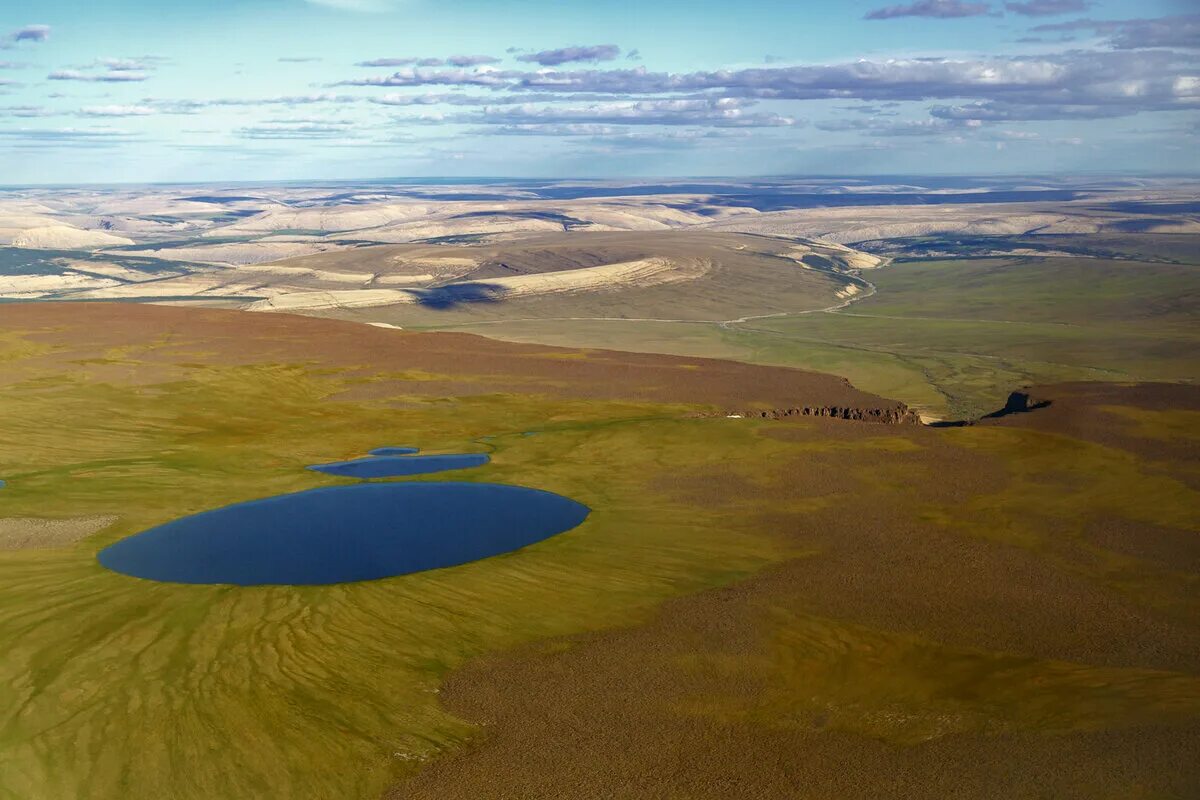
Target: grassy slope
x: 954, y: 337
x: 111, y: 687
x: 114, y: 687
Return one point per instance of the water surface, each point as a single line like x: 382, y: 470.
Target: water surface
x: 345, y: 533
x: 389, y: 466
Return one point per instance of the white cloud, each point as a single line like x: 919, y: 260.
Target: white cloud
x: 116, y: 111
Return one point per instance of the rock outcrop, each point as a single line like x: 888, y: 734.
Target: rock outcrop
x: 1018, y: 403
x: 899, y: 414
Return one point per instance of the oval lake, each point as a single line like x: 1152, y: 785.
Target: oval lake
x: 345, y: 533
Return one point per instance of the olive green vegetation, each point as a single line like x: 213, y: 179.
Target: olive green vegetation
x: 116, y: 687
x: 951, y: 338
x: 907, y: 689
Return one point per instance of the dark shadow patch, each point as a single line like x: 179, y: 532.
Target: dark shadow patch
x: 459, y: 294
x: 1018, y: 403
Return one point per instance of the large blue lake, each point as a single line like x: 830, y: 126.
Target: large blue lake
x: 345, y: 533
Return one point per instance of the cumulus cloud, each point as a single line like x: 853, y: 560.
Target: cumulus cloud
x: 460, y: 99
x: 140, y: 64
x: 994, y: 111
x: 447, y: 98
x: 1125, y: 82
x: 452, y: 61
x: 188, y: 106
x: 423, y: 77
x: 722, y: 113
x: 470, y: 61
x: 880, y: 127
x: 401, y: 62
x: 29, y: 33
x: 298, y: 59
x: 1048, y: 8
x: 116, y: 111
x: 26, y: 112
x: 937, y: 9
x: 296, y: 130
x: 69, y: 137
x: 113, y: 70
x: 578, y: 53
x: 1131, y: 34
x: 117, y: 76
x: 880, y: 110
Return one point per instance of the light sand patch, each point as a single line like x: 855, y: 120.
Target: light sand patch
x: 34, y: 286
x: 238, y: 253
x: 411, y: 231
x: 846, y: 257
x: 328, y: 219
x: 33, y: 533
x: 867, y: 223
x: 348, y: 298
x: 217, y: 283
x: 61, y: 237
x: 305, y: 272
x: 625, y: 275
x: 405, y: 280
x: 628, y: 274
x: 444, y: 262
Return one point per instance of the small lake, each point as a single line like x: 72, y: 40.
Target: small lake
x: 345, y: 533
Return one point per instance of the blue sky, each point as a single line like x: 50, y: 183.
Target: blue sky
x: 147, y: 91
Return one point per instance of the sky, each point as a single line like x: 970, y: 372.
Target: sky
x: 140, y: 91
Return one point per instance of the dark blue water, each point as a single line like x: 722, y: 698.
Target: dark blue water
x: 394, y: 451
x: 390, y: 466
x: 345, y: 533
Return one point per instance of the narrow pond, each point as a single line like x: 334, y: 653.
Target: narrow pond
x: 385, y: 465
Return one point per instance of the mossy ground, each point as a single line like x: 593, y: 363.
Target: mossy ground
x: 117, y: 687
x: 113, y: 687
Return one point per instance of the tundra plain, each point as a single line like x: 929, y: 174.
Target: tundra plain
x: 780, y: 559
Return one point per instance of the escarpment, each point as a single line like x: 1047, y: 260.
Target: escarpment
x: 899, y: 414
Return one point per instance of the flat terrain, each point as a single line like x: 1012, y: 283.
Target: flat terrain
x: 930, y: 643
x: 868, y: 609
x: 950, y: 337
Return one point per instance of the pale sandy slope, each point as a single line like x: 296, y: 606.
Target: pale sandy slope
x: 866, y: 223
x: 627, y: 275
